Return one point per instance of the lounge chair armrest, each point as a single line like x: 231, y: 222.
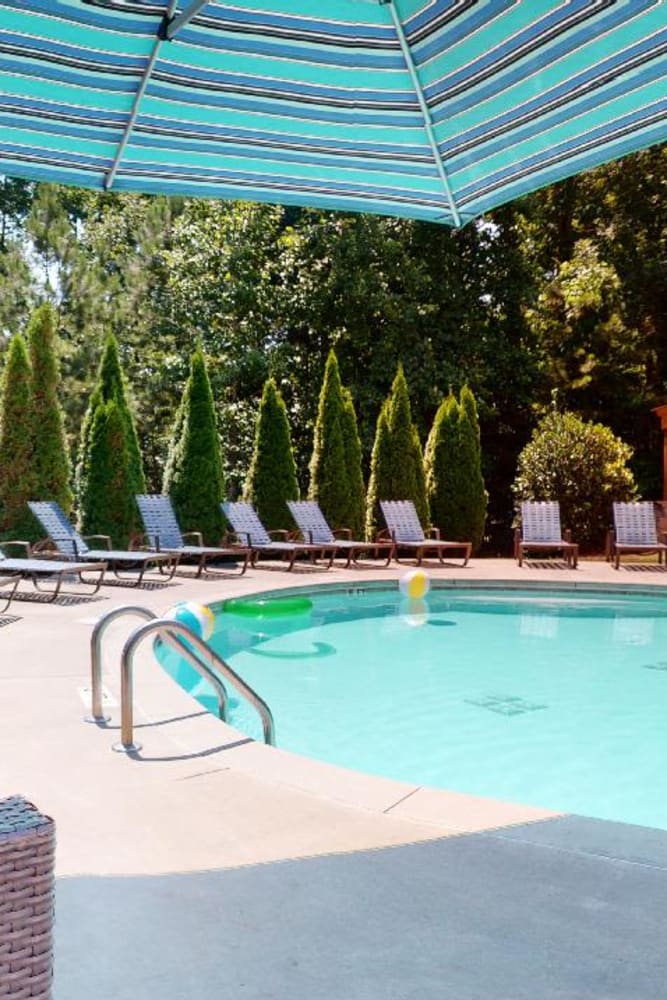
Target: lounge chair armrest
x: 383, y: 535
x: 197, y: 537
x: 433, y: 532
x: 140, y: 542
x: 45, y: 548
x: 343, y: 533
x: 105, y: 539
x: 25, y: 546
x: 237, y: 538
x: 517, y: 542
x: 279, y: 534
x: 567, y: 535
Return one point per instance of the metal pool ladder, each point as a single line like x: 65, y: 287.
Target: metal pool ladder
x: 187, y: 644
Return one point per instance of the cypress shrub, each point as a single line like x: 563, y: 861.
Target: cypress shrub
x: 328, y: 471
x: 194, y: 476
x: 335, y: 468
x: 440, y: 461
x: 110, y: 385
x: 397, y: 469
x: 17, y: 473
x: 272, y: 477
x: 51, y: 459
x: 107, y: 505
x: 472, y: 493
x: 453, y: 463
x: 380, y: 480
x: 354, y: 518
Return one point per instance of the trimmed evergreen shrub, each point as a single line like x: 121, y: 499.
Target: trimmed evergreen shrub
x: 380, y: 480
x: 453, y: 463
x: 110, y: 385
x: 329, y: 480
x: 354, y: 518
x: 194, y: 476
x: 50, y: 458
x: 473, y: 497
x: 108, y: 505
x: 272, y: 477
x: 17, y: 473
x: 581, y: 464
x: 336, y: 479
x: 440, y: 461
x: 397, y: 467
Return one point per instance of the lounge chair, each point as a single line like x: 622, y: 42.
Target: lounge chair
x: 37, y: 570
x: 71, y: 545
x: 407, y: 533
x: 634, y: 531
x: 313, y: 526
x: 250, y: 531
x: 541, y: 531
x: 164, y: 535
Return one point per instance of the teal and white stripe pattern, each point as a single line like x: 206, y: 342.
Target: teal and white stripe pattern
x: 303, y: 103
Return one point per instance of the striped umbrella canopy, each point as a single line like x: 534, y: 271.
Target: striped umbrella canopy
x: 434, y: 110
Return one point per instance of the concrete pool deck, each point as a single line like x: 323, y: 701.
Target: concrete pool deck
x: 210, y: 866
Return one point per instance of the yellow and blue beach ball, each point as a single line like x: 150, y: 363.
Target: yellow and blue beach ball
x: 195, y: 616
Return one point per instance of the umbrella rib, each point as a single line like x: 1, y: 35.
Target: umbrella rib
x: 176, y: 23
x: 166, y: 21
x: 426, y: 114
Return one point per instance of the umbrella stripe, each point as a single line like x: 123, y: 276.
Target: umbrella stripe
x: 273, y: 101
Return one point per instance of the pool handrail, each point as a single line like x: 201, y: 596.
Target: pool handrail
x: 97, y: 707
x: 180, y: 637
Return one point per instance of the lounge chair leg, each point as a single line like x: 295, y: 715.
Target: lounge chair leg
x: 96, y: 583
x: 44, y: 590
x: 15, y: 580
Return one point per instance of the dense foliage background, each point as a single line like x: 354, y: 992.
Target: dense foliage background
x: 559, y: 296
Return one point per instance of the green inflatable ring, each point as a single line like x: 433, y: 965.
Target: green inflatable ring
x: 269, y: 609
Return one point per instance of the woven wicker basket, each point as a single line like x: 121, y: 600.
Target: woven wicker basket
x: 27, y: 844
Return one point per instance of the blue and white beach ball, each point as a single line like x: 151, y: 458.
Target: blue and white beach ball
x: 195, y: 616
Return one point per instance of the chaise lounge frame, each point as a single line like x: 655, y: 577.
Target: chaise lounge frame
x: 406, y: 532
x: 635, y: 531
x: 314, y: 528
x: 164, y: 534
x: 541, y: 531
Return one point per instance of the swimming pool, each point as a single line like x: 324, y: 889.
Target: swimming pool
x: 554, y: 699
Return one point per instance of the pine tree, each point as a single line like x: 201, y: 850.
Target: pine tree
x: 440, y: 462
x: 472, y: 494
x: 194, y: 476
x: 110, y: 385
x: 272, y: 477
x: 329, y: 476
x: 380, y: 483
x: 356, y: 491
x: 50, y: 456
x: 17, y: 474
x: 107, y: 505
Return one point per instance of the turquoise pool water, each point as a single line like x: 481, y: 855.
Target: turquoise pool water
x: 552, y: 699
